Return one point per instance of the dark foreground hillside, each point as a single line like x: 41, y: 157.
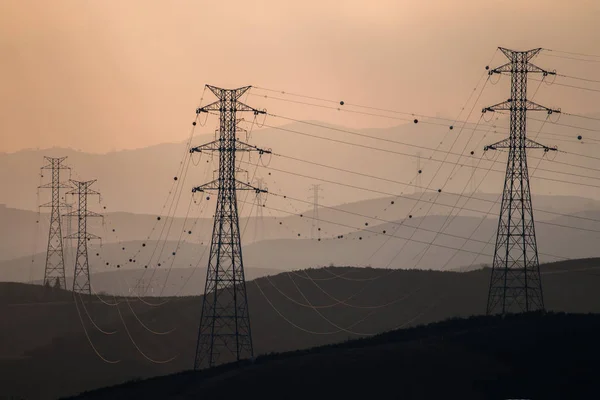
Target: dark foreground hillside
x: 45, y: 352
x: 533, y: 356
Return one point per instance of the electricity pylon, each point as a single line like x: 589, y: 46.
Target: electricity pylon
x: 315, y: 231
x: 81, y: 277
x: 225, y: 320
x: 515, y: 284
x: 55, y: 257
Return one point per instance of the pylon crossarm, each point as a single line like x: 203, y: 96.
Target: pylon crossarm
x: 217, y: 145
x: 508, y: 69
x: 241, y: 146
x: 214, y: 185
x: 61, y: 205
x: 504, y: 106
x: 87, y: 192
x: 530, y: 144
x: 535, y: 69
x: 85, y: 214
x: 529, y: 54
x: 88, y: 236
x: 220, y: 93
x: 508, y: 105
x: 212, y: 146
x: 503, y: 144
x: 55, y: 163
x: 215, y: 106
x: 505, y: 68
x: 531, y: 106
x: 60, y: 186
x: 218, y: 106
x: 239, y: 185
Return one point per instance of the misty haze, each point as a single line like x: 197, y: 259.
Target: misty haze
x: 324, y: 199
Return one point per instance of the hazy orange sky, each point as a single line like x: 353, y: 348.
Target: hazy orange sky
x: 110, y: 75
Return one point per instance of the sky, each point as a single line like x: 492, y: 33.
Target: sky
x: 101, y: 76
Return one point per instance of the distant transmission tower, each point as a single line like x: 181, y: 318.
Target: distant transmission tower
x: 515, y: 285
x: 55, y: 257
x: 81, y: 278
x: 225, y: 320
x: 315, y: 231
x: 141, y: 287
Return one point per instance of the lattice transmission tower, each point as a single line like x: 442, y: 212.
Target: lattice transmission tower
x: 515, y: 284
x: 81, y: 277
x: 54, y: 271
x: 225, y: 320
x: 315, y: 231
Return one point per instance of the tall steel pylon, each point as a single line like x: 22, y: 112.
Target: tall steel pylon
x: 515, y: 284
x: 315, y: 231
x: 225, y: 320
x: 55, y: 257
x: 81, y: 277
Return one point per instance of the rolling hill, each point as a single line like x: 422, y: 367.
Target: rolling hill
x: 45, y: 353
x: 529, y: 356
x: 279, y: 248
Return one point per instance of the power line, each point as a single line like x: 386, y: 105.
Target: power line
x: 572, y: 58
x: 394, y: 236
x: 570, y: 86
x: 578, y: 78
x: 453, y: 126
x: 472, y: 197
x: 342, y: 103
x: 390, y: 151
x: 581, y: 116
x: 407, y: 197
x: 89, y: 339
x: 572, y: 53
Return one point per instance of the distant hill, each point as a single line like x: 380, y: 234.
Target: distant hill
x: 25, y: 232
x: 473, y: 358
x: 44, y: 352
x: 139, y: 180
x: 279, y: 248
